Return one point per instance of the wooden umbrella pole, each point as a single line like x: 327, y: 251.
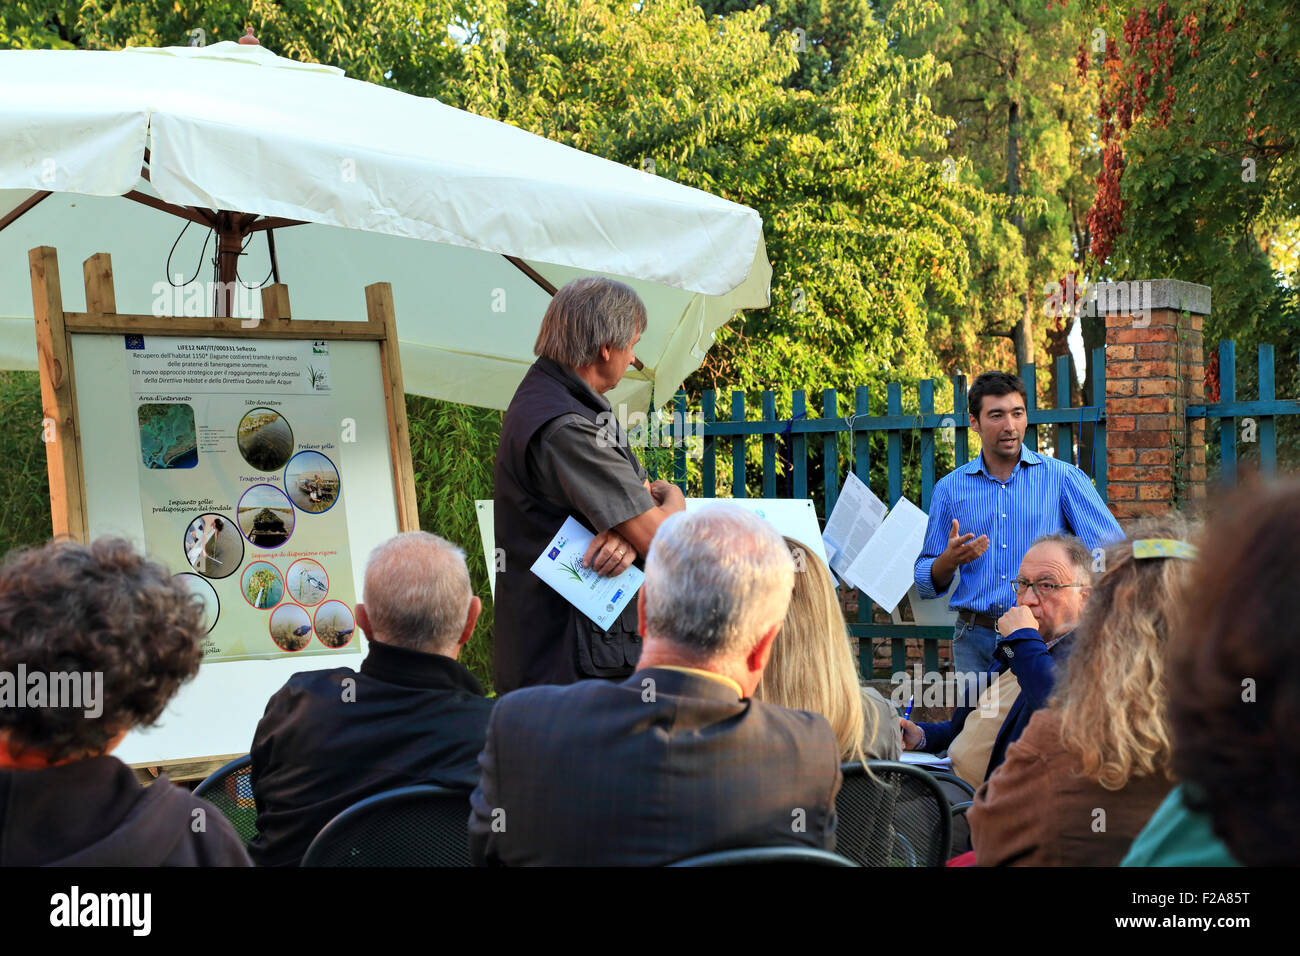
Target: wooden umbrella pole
x: 230, y: 240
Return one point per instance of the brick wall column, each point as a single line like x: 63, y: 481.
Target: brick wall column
x: 1155, y: 368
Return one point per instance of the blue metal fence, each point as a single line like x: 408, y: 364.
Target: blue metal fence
x: 1262, y: 412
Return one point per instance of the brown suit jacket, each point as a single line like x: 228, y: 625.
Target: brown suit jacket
x: 1038, y: 809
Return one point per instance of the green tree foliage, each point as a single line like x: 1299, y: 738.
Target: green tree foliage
x: 1022, y: 126
x: 1201, y: 105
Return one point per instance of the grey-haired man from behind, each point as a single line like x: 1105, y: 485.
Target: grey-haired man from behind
x: 678, y: 759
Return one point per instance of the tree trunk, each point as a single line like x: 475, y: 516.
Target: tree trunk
x: 1022, y: 335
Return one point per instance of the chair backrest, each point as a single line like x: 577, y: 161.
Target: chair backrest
x: 230, y: 790
x: 954, y: 787
x: 767, y: 856
x: 410, y: 826
x: 895, y: 816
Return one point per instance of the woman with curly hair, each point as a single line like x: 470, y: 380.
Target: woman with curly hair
x: 812, y: 668
x: 95, y: 640
x: 1090, y: 769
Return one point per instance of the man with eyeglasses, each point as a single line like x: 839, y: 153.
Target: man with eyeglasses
x: 984, y: 514
x: 1052, y: 586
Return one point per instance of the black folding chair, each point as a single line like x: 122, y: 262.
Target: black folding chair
x: 960, y: 795
x: 895, y: 816
x: 230, y: 790
x: 767, y: 856
x: 410, y: 826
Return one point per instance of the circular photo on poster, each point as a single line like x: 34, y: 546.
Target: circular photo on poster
x: 307, y: 582
x: 312, y: 481
x: 213, y: 546
x: 262, y: 585
x: 265, y: 516
x: 290, y: 627
x: 334, y: 624
x: 265, y: 439
x: 211, y: 603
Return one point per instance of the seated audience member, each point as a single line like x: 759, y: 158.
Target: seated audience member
x: 811, y: 667
x: 1234, y: 693
x: 411, y: 715
x: 1034, y: 636
x: 111, y: 636
x: 678, y: 759
x: 1091, y: 768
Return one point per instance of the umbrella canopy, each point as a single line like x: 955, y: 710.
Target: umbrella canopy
x: 329, y: 184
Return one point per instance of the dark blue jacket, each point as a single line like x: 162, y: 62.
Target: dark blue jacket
x: 1035, y: 669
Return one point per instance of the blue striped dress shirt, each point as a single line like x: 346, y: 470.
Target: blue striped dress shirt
x: 1042, y: 496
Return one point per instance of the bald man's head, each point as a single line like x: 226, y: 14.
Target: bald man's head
x: 417, y: 593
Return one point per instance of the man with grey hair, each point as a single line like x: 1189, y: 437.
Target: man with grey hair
x: 412, y: 714
x: 678, y: 759
x: 562, y: 453
x: 1034, y: 638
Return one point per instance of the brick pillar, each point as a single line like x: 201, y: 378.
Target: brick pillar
x: 1155, y: 368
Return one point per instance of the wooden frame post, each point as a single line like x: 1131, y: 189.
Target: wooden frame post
x: 379, y: 307
x: 58, y: 399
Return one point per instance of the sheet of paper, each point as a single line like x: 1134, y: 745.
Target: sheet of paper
x: 884, y: 567
x: 925, y: 759
x: 852, y: 522
x: 560, y: 566
x: 793, y: 517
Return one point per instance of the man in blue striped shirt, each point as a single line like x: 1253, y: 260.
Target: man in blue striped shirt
x: 985, y: 514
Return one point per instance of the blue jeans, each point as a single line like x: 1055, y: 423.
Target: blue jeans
x: 972, y: 654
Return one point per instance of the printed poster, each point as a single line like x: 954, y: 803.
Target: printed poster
x: 241, y: 490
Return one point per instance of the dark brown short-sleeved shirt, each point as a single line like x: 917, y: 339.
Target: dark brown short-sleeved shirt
x: 575, y: 466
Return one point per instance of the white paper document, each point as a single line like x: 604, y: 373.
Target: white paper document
x: 560, y: 566
x: 852, y: 523
x: 922, y: 758
x: 884, y: 567
x: 793, y: 517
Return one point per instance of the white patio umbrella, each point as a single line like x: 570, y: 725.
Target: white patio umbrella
x: 329, y: 184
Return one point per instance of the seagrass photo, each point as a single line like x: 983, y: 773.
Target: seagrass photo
x: 262, y: 585
x: 265, y: 439
x: 266, y: 517
x: 312, y: 481
x: 334, y: 624
x: 290, y: 627
x: 213, y: 546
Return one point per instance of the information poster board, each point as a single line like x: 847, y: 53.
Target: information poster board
x: 260, y: 462
x: 241, y: 490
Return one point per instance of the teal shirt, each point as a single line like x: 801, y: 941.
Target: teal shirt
x: 1177, y: 836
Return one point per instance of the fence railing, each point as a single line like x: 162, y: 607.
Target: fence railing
x: 1261, y: 413
x: 794, y: 434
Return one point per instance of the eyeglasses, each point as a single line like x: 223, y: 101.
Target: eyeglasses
x: 1044, y: 589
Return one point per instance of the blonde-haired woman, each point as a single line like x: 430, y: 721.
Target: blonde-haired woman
x: 812, y: 668
x: 1091, y: 769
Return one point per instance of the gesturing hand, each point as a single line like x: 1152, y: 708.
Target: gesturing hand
x: 964, y: 548
x: 609, y: 554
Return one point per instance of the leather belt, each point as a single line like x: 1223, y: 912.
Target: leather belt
x: 979, y: 620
